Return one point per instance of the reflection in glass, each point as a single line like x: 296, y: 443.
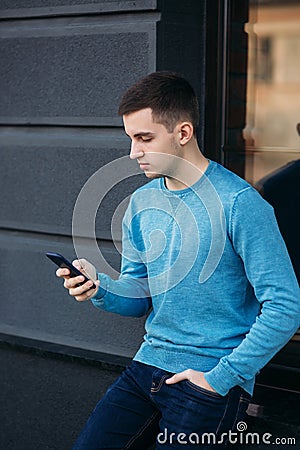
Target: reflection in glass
x: 273, y: 91
x: 282, y: 190
x: 273, y: 113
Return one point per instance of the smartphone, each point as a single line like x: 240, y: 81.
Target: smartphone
x: 62, y: 262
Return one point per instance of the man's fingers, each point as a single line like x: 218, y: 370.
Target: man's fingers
x: 77, y: 286
x: 61, y: 273
x: 86, y: 268
x: 78, y: 290
x: 177, y: 377
x: 86, y: 295
x: 78, y: 263
x: 85, y: 291
x: 194, y: 376
x: 73, y: 282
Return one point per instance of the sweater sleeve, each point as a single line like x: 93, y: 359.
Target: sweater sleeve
x: 128, y: 295
x: 256, y: 239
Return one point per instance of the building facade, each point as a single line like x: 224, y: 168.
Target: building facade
x: 64, y: 67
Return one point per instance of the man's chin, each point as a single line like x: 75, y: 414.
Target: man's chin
x: 152, y: 175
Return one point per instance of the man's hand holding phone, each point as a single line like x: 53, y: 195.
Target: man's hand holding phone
x: 78, y: 288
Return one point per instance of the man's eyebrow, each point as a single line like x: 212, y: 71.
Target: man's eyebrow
x: 143, y: 133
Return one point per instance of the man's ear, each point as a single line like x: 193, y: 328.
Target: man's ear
x: 185, y: 132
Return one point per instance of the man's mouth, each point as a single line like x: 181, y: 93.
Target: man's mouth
x: 144, y: 166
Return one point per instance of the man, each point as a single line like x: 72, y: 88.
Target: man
x: 203, y: 256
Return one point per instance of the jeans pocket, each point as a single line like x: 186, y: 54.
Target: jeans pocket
x: 200, y: 390
x: 156, y: 386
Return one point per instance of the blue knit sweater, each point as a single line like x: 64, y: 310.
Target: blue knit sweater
x: 209, y: 265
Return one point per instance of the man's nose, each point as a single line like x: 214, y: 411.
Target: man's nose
x: 136, y: 151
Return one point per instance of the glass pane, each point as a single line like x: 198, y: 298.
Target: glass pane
x: 273, y: 93
x: 272, y: 131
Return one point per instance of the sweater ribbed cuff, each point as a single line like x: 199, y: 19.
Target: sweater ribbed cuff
x: 98, y: 299
x: 222, y: 379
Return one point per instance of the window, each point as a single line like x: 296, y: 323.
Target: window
x: 272, y: 132
x: 273, y: 90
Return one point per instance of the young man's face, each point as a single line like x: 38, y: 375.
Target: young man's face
x: 152, y: 145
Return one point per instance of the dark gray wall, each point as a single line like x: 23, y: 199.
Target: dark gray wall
x: 64, y: 66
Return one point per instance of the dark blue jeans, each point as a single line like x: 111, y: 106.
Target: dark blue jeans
x: 140, y: 409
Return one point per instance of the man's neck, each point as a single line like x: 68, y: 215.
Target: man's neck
x: 192, y: 166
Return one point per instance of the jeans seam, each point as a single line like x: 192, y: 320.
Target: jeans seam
x: 225, y: 411
x: 241, y: 401
x: 202, y: 390
x: 141, y: 430
x: 156, y: 389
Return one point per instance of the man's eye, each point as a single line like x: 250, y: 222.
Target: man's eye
x: 146, y: 139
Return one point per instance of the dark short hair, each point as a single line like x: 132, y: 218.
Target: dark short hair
x: 171, y: 98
